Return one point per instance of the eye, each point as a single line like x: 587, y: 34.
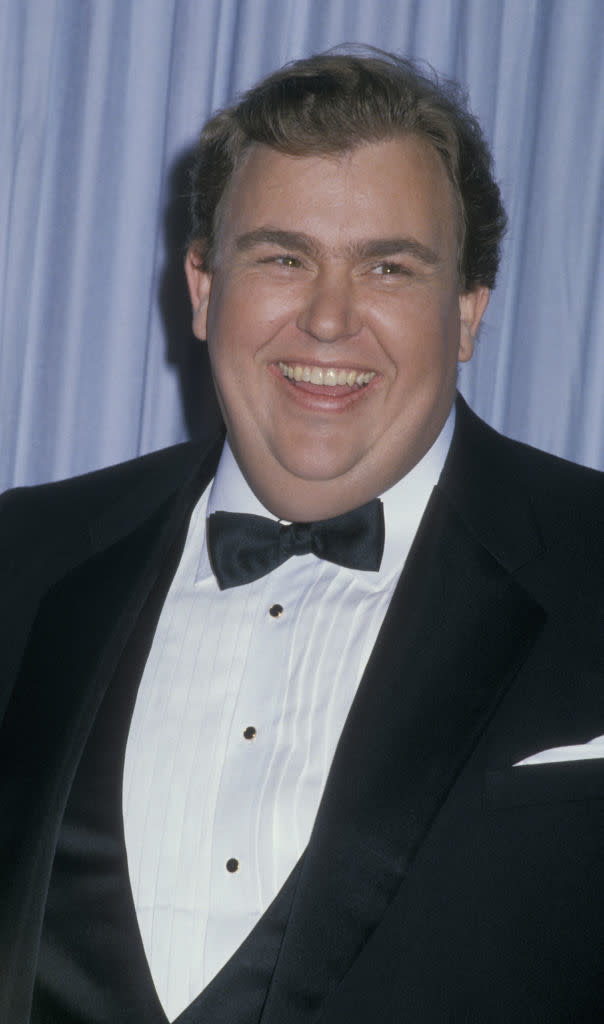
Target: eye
x: 388, y: 268
x: 284, y: 260
x: 292, y: 262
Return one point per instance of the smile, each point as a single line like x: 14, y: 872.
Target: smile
x: 327, y: 377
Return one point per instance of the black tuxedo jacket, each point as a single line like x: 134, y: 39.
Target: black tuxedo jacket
x: 440, y: 883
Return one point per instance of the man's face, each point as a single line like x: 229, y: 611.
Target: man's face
x: 334, y: 320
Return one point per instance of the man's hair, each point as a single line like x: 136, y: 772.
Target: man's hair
x: 336, y: 101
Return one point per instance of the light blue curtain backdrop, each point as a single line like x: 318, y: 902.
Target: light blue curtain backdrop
x: 101, y: 101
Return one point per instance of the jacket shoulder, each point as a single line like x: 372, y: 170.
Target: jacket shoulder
x: 555, y: 486
x: 504, y: 487
x: 59, y: 507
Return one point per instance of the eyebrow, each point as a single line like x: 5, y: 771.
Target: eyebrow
x: 372, y: 248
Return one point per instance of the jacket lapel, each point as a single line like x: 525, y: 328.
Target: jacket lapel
x: 90, y: 595
x: 457, y: 630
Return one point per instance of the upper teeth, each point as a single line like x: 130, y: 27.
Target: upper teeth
x: 328, y: 377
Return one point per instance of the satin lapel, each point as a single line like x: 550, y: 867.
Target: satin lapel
x: 77, y: 637
x: 456, y: 631
x: 86, y: 616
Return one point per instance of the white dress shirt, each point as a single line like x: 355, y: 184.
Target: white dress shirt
x: 239, y: 711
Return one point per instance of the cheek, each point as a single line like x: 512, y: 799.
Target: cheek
x: 237, y: 384
x: 423, y: 337
x: 228, y: 339
x: 438, y: 334
x: 244, y: 316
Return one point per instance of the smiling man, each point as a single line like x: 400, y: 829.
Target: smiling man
x: 305, y: 724
x: 328, y: 271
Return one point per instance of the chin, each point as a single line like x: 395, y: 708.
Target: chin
x: 314, y: 459
x: 315, y: 471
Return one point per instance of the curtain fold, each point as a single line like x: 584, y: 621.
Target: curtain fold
x: 101, y: 104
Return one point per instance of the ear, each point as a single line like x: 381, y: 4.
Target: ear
x: 200, y: 284
x: 471, y: 308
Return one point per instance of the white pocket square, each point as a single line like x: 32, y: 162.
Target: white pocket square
x: 578, y: 752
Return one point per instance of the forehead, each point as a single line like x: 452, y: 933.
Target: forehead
x: 384, y: 188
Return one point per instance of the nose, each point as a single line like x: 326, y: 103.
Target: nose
x: 330, y: 311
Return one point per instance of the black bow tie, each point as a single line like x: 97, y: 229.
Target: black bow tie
x: 243, y: 547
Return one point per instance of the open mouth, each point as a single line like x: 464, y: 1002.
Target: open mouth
x: 328, y: 377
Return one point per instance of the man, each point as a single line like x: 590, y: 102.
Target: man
x: 344, y: 792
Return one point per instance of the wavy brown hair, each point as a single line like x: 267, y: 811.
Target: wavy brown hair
x: 336, y: 101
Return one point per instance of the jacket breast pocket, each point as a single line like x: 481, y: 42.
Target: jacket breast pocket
x: 544, y: 783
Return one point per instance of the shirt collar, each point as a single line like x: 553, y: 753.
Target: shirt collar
x: 404, y: 502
